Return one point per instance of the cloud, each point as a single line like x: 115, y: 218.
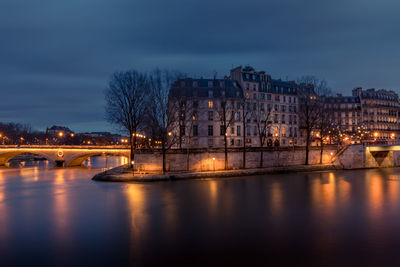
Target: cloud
x: 56, y: 56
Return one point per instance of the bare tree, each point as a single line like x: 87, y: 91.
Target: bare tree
x: 126, y: 103
x: 246, y: 116
x: 187, y: 115
x: 163, y: 111
x: 309, y: 91
x: 262, y: 116
x: 226, y: 117
x: 324, y: 125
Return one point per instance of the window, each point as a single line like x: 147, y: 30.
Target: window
x: 268, y: 96
x: 238, y: 116
x: 232, y: 142
x: 283, y: 108
x: 195, y: 130
x: 238, y: 105
x: 210, y: 104
x: 210, y: 115
x: 232, y: 130
x: 261, y: 106
x: 194, y: 115
x: 238, y: 132
x: 276, y: 107
x: 248, y: 140
x: 195, y: 104
x: 182, y: 130
x: 210, y: 93
x: 210, y: 83
x: 275, y: 118
x: 210, y: 142
x: 222, y: 130
x: 283, y: 118
x: 255, y: 130
x: 254, y: 96
x: 247, y: 130
x: 210, y: 130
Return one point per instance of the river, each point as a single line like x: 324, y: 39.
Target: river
x: 60, y: 217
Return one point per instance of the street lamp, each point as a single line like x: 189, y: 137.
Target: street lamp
x: 213, y: 162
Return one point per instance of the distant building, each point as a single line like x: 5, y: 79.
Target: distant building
x: 59, y: 130
x: 377, y: 111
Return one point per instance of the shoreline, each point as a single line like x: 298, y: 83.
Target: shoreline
x: 120, y: 174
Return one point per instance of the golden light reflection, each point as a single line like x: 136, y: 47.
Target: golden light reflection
x: 374, y: 184
x: 61, y: 206
x: 136, y: 201
x: 213, y: 191
x: 276, y: 198
x: 3, y: 211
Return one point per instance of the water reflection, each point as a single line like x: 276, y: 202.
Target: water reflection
x: 316, y: 218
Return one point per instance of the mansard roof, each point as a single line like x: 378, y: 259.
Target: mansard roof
x: 189, y: 87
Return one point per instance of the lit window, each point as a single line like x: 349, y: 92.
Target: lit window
x: 210, y: 104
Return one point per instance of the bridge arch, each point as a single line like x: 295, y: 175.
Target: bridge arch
x: 6, y: 157
x: 77, y: 160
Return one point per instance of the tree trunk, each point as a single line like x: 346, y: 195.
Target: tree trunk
x: 244, y: 143
x: 187, y: 154
x: 322, y: 150
x: 163, y: 151
x: 226, y: 151
x: 262, y: 159
x: 132, y: 154
x: 307, y: 146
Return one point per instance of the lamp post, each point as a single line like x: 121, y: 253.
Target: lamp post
x: 213, y: 162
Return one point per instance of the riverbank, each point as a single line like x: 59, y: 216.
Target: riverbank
x: 122, y: 174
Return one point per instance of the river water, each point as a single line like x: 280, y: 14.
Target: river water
x: 60, y: 217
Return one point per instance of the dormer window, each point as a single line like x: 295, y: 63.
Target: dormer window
x: 210, y: 93
x: 210, y: 84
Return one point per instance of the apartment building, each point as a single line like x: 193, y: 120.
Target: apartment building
x: 375, y: 111
x: 238, y: 106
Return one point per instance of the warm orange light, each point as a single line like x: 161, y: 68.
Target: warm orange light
x: 376, y: 134
x: 60, y: 134
x: 213, y: 158
x: 169, y: 133
x: 72, y: 135
x: 392, y: 135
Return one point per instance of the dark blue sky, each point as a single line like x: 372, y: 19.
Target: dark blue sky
x: 56, y: 56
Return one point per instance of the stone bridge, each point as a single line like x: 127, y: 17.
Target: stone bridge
x: 61, y: 156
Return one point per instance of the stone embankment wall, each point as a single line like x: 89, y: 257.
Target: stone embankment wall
x: 359, y: 156
x: 208, y: 160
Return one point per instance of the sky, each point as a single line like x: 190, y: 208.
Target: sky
x: 56, y: 57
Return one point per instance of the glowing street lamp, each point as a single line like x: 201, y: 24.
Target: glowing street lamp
x: 213, y: 162
x: 60, y: 134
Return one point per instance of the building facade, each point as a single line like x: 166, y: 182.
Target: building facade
x: 376, y: 112
x: 248, y: 107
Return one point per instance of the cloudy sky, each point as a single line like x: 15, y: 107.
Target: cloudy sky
x: 57, y: 56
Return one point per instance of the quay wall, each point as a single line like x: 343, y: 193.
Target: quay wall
x: 209, y: 160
